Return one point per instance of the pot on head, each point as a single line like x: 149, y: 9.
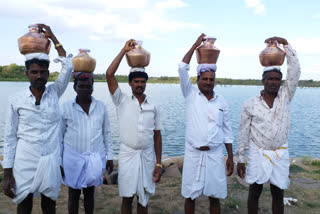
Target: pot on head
x: 138, y: 56
x: 83, y: 62
x: 208, y: 53
x: 34, y: 42
x: 272, y: 55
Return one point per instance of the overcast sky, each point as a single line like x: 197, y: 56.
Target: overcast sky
x: 168, y: 28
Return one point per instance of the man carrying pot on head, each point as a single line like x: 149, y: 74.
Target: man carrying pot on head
x: 140, y: 137
x: 264, y: 129
x: 86, y: 142
x: 32, y: 155
x: 208, y: 127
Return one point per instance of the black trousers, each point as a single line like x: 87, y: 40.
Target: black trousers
x: 48, y: 205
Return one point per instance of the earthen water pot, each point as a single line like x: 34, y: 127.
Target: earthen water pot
x: 138, y: 56
x: 272, y: 55
x: 83, y: 62
x: 34, y: 42
x: 208, y: 53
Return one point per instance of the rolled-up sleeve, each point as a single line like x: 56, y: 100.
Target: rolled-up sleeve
x: 117, y: 96
x: 185, y: 83
x: 10, y: 138
x: 63, y: 79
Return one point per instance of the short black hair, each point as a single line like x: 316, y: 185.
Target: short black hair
x: 76, y: 80
x: 40, y: 62
x: 137, y: 74
x: 264, y: 75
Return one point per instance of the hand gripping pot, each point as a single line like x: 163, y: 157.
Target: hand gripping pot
x: 83, y: 62
x: 34, y: 42
x: 208, y: 53
x: 272, y: 55
x: 138, y: 57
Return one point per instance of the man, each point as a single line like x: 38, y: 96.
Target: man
x: 87, y: 141
x: 140, y: 137
x: 207, y: 129
x: 264, y: 129
x: 32, y: 135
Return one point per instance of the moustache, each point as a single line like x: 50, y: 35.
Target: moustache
x: 140, y: 88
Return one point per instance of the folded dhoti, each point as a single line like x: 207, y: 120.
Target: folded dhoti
x: 268, y: 166
x: 36, y: 174
x: 82, y: 170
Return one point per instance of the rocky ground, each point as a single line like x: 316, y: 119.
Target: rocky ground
x: 305, y: 187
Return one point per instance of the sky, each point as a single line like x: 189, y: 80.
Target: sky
x: 168, y: 28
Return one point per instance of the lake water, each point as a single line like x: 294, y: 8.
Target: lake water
x: 304, y: 138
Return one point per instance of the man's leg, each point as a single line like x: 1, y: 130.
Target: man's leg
x: 48, y: 205
x: 126, y: 206
x: 88, y: 199
x: 277, y: 199
x: 73, y: 200
x: 214, y: 206
x: 25, y: 207
x: 141, y: 209
x: 253, y: 198
x: 189, y: 206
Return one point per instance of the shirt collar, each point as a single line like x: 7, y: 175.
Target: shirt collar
x: 145, y: 99
x: 78, y: 107
x: 214, y: 94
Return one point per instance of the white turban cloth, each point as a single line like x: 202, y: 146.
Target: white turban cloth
x: 137, y: 69
x: 206, y: 67
x: 40, y: 56
x: 271, y: 68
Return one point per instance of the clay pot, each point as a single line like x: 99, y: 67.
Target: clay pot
x: 34, y: 42
x: 138, y: 57
x: 272, y: 55
x: 83, y: 62
x: 208, y: 53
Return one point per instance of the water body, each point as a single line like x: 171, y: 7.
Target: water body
x: 304, y: 137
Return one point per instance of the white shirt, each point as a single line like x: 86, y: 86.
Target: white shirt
x: 87, y: 132
x: 207, y: 121
x: 269, y: 128
x: 136, y: 122
x: 36, y: 125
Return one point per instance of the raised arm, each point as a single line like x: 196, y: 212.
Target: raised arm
x: 111, y: 79
x: 184, y: 67
x: 63, y: 79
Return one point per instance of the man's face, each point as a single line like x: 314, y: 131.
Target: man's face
x: 272, y: 83
x: 84, y: 88
x: 38, y: 76
x: 138, y: 85
x: 206, y: 82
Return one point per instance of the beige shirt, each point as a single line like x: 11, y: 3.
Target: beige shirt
x: 268, y: 127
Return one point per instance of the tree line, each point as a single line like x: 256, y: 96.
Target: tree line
x: 14, y: 72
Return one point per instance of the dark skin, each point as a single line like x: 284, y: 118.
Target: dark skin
x: 206, y: 83
x: 271, y: 84
x: 138, y: 86
x: 84, y: 89
x: 38, y: 77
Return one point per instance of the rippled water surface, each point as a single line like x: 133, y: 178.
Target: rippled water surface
x: 304, y: 138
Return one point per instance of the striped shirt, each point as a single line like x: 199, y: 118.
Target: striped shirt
x: 87, y: 132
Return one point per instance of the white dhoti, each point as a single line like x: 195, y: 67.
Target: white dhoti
x: 136, y: 172
x: 204, y: 173
x: 268, y: 166
x: 82, y: 170
x: 36, y: 174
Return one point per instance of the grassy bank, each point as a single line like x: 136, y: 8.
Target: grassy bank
x: 305, y: 186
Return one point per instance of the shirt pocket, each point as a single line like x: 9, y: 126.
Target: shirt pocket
x: 217, y: 115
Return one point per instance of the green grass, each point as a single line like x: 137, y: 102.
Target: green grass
x: 296, y: 169
x: 232, y: 202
